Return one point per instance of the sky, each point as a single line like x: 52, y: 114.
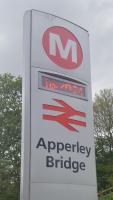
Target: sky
x: 96, y: 16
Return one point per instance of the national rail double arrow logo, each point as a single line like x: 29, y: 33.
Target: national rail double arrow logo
x: 64, y: 117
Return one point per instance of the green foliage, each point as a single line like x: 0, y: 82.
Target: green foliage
x: 10, y: 136
x: 106, y: 198
x: 103, y: 129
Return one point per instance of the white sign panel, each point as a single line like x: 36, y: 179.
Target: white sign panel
x: 58, y: 146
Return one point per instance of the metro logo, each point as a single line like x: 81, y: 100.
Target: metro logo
x: 64, y: 52
x: 62, y: 47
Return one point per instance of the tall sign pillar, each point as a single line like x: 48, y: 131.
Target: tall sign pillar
x: 58, y: 159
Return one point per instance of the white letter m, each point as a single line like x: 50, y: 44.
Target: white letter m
x: 55, y: 39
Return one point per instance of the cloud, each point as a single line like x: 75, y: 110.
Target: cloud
x: 95, y: 16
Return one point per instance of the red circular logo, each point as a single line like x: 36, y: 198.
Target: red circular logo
x: 62, y: 47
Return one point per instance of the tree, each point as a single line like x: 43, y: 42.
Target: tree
x: 10, y: 136
x: 103, y: 129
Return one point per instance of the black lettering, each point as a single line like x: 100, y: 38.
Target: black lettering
x: 82, y: 149
x: 56, y: 163
x: 41, y: 143
x: 60, y: 147
x: 51, y: 146
x: 49, y: 161
x: 61, y: 161
x: 74, y: 146
x: 75, y: 166
x: 88, y: 151
x: 67, y: 147
x: 78, y: 147
x: 67, y: 163
x: 82, y: 166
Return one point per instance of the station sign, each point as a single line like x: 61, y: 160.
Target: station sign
x: 58, y: 156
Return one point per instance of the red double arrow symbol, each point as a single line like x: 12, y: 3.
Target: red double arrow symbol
x: 64, y: 118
